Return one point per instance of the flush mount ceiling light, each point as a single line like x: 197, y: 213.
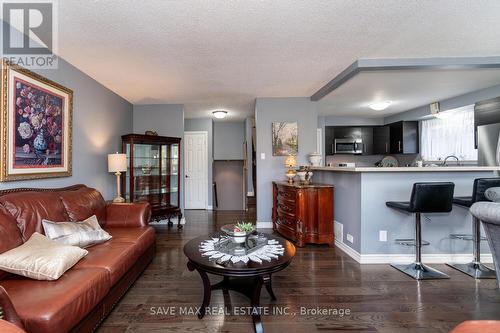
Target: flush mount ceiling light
x: 379, y: 106
x: 220, y: 114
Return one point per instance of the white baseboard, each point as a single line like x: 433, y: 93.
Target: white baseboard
x: 264, y: 225
x: 210, y: 207
x: 348, y: 250
x: 250, y: 194
x: 431, y: 258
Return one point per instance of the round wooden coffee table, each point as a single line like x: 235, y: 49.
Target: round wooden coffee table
x: 246, y: 279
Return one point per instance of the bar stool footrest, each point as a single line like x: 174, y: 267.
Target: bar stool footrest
x: 409, y: 242
x: 467, y: 237
x: 474, y: 269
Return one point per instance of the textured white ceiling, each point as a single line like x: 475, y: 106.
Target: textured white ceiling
x: 224, y: 54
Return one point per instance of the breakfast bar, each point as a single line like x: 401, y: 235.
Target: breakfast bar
x: 366, y: 229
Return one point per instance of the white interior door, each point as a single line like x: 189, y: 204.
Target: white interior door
x: 195, y: 170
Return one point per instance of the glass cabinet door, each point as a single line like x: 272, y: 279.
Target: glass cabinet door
x: 155, y: 172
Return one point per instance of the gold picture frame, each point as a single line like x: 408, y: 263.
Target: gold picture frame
x: 36, y: 126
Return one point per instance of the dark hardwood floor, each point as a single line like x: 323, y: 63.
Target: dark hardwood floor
x: 380, y: 298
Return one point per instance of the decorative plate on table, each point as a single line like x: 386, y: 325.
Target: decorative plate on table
x: 389, y: 162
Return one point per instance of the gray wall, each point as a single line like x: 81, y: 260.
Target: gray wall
x: 167, y: 120
x: 347, y: 202
x: 447, y: 104
x: 204, y: 124
x: 100, y: 118
x: 228, y: 140
x: 267, y: 111
x: 229, y: 178
x: 248, y: 138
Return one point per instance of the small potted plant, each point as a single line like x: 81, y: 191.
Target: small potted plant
x: 241, y: 229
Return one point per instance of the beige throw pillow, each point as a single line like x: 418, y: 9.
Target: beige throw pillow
x: 82, y: 234
x: 41, y: 258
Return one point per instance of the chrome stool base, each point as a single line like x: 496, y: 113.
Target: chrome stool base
x: 475, y: 269
x: 419, y: 271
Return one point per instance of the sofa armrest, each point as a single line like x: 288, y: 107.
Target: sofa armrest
x: 7, y: 310
x: 487, y: 212
x: 128, y: 214
x: 7, y: 327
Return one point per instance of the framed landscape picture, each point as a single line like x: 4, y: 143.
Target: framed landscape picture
x: 36, y: 124
x: 285, y: 139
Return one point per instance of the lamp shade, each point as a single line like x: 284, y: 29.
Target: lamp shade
x: 117, y: 162
x: 290, y: 161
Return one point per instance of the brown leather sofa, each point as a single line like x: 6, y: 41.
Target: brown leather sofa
x: 85, y: 294
x: 478, y: 326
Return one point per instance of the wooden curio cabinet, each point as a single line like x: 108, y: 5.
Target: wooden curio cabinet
x: 153, y: 174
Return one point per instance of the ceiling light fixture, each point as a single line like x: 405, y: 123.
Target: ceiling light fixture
x: 220, y: 114
x: 379, y: 106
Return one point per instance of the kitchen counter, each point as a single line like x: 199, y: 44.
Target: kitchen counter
x: 361, y: 214
x: 411, y: 169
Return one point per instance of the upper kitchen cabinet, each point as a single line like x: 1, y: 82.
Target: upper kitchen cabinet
x: 360, y: 137
x: 404, y: 138
x: 381, y: 140
x: 329, y: 137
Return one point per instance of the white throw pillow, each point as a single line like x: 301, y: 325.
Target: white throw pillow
x: 82, y: 234
x: 493, y: 194
x: 41, y: 258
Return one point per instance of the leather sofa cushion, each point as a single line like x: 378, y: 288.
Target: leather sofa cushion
x: 6, y: 327
x: 10, y: 236
x: 29, y: 208
x: 57, y: 306
x: 116, y: 257
x: 142, y: 237
x: 83, y: 203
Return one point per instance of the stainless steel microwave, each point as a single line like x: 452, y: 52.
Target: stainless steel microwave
x: 348, y: 146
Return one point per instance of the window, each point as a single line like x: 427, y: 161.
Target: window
x: 450, y: 134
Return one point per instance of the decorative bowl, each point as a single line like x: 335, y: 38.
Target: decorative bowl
x: 236, y: 236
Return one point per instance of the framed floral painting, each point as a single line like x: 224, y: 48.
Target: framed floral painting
x: 36, y: 123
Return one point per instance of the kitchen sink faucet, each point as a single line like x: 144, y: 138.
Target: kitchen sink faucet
x: 448, y: 157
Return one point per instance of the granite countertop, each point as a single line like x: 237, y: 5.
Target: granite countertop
x: 411, y: 169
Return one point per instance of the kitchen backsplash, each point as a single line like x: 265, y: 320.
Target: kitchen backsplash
x: 368, y: 160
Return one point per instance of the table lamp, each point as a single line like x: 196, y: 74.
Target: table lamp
x: 290, y: 163
x: 117, y: 163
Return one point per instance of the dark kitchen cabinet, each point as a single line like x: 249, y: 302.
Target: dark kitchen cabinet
x: 404, y: 138
x: 367, y: 137
x: 381, y: 140
x: 329, y: 137
x: 348, y: 132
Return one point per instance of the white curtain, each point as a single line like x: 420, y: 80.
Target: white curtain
x: 451, y: 134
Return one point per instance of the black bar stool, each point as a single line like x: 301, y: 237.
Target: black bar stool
x: 475, y: 268
x: 432, y: 197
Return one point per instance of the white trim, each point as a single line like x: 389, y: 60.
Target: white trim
x: 205, y: 166
x: 348, y: 250
x: 319, y: 141
x: 431, y: 258
x: 250, y: 194
x: 210, y: 207
x: 264, y: 225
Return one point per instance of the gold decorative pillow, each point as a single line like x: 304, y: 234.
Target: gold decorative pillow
x: 82, y: 234
x: 41, y: 258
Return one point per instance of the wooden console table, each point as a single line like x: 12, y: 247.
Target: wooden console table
x: 304, y: 213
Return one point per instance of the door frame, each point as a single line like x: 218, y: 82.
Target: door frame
x: 205, y: 166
